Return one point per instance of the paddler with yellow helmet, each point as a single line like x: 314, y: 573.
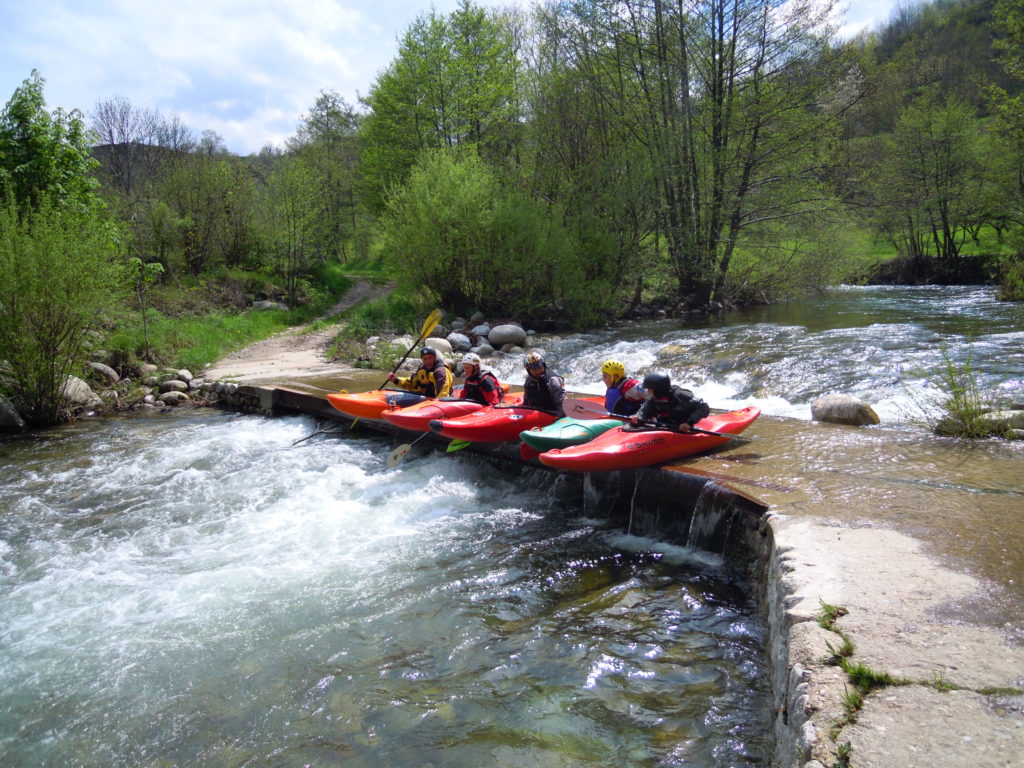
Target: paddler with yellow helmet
x: 624, y: 396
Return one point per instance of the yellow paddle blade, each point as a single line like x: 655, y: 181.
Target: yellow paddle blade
x: 430, y: 323
x: 398, y: 454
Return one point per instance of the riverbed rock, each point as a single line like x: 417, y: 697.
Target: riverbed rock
x: 10, y: 419
x: 443, y: 346
x: 147, y: 369
x: 76, y: 392
x: 174, y: 385
x: 173, y: 398
x: 105, y: 372
x: 481, y: 330
x: 476, y: 318
x: 484, y: 350
x: 459, y: 342
x: 183, y: 374
x: 269, y: 305
x: 1004, y: 420
x: 843, y: 409
x: 508, y: 333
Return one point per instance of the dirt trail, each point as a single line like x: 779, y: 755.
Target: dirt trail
x: 294, y: 353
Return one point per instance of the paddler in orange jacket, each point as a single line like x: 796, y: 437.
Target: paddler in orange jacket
x: 431, y: 379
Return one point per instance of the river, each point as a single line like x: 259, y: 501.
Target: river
x: 194, y: 589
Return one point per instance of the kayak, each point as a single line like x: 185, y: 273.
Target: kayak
x: 624, y: 448
x: 497, y: 424
x: 566, y: 432
x: 417, y: 418
x: 370, y: 405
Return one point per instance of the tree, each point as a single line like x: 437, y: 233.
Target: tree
x: 724, y: 98
x: 290, y: 195
x: 59, y: 269
x: 453, y: 83
x: 43, y: 155
x: 126, y: 136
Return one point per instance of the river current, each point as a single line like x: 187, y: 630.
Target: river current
x: 192, y: 589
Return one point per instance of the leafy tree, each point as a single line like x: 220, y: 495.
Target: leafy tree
x: 456, y: 230
x: 453, y: 83
x: 291, y: 211
x: 42, y: 154
x: 59, y: 270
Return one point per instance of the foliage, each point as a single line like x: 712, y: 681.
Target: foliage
x: 452, y: 84
x: 43, y: 155
x: 457, y: 231
x: 288, y: 229
x: 958, y: 407
x: 59, y: 270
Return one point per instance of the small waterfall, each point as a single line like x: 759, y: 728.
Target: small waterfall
x: 711, y: 520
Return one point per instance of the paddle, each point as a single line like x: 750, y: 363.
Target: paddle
x: 588, y: 411
x: 401, y: 451
x: 428, y: 325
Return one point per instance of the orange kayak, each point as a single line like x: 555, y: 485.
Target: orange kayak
x: 370, y: 405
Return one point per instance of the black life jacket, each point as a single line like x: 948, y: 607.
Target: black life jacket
x: 537, y: 391
x: 680, y: 407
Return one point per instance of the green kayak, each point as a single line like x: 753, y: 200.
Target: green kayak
x: 565, y: 432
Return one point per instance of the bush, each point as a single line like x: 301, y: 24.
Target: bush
x: 59, y: 270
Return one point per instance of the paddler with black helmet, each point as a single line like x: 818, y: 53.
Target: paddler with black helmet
x: 431, y: 379
x: 543, y: 389
x: 668, y: 406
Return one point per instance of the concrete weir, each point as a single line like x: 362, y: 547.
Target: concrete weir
x: 887, y: 645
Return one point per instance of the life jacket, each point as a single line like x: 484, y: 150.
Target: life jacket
x: 432, y: 382
x: 680, y: 407
x: 615, y: 400
x: 483, y: 388
x: 537, y: 392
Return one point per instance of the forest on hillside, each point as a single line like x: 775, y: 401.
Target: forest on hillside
x: 565, y: 163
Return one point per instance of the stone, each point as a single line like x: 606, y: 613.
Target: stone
x: 443, y: 346
x: 512, y: 349
x: 476, y: 318
x: 843, y: 409
x: 459, y: 342
x: 173, y: 398
x: 77, y: 392
x: 372, y: 341
x: 174, y: 385
x: 147, y: 369
x: 105, y: 372
x: 481, y: 330
x: 459, y: 324
x: 269, y: 305
x: 183, y: 374
x: 10, y: 419
x: 1000, y: 420
x: 484, y: 350
x: 501, y: 335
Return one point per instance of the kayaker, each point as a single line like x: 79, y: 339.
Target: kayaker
x: 542, y: 389
x: 668, y: 406
x: 431, y: 379
x: 624, y: 396
x: 480, y: 385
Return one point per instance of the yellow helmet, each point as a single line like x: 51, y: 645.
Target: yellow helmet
x: 614, y: 368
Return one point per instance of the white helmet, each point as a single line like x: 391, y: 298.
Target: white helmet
x: 472, y: 358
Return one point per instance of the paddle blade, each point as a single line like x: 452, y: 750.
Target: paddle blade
x: 430, y: 323
x: 398, y: 454
x: 457, y: 445
x: 587, y: 410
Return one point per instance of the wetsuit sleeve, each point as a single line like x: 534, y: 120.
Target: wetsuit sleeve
x: 557, y: 389
x: 404, y: 382
x: 646, y: 411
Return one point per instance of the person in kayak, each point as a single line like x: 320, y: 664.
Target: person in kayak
x: 624, y: 396
x: 431, y: 379
x: 543, y: 389
x: 481, y: 386
x: 668, y: 406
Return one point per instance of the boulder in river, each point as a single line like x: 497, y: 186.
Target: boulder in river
x: 174, y: 385
x: 1004, y: 420
x: 843, y: 409
x: 508, y: 333
x: 173, y: 398
x: 10, y: 419
x: 459, y: 342
x: 76, y: 392
x: 443, y: 346
x: 104, y: 372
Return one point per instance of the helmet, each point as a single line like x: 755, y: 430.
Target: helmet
x: 614, y: 368
x: 658, y: 383
x: 471, y: 358
x: 428, y: 351
x: 534, y: 360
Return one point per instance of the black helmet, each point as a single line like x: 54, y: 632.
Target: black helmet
x: 428, y: 351
x: 658, y: 383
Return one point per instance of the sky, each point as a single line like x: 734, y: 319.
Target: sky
x: 248, y: 70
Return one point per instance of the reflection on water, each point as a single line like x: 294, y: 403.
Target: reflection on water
x: 193, y: 590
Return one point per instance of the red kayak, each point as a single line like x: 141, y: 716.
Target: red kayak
x: 417, y: 418
x: 497, y: 424
x: 622, y: 448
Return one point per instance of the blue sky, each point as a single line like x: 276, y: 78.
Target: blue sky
x: 246, y: 69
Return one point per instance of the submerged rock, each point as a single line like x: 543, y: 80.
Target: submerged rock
x: 843, y: 409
